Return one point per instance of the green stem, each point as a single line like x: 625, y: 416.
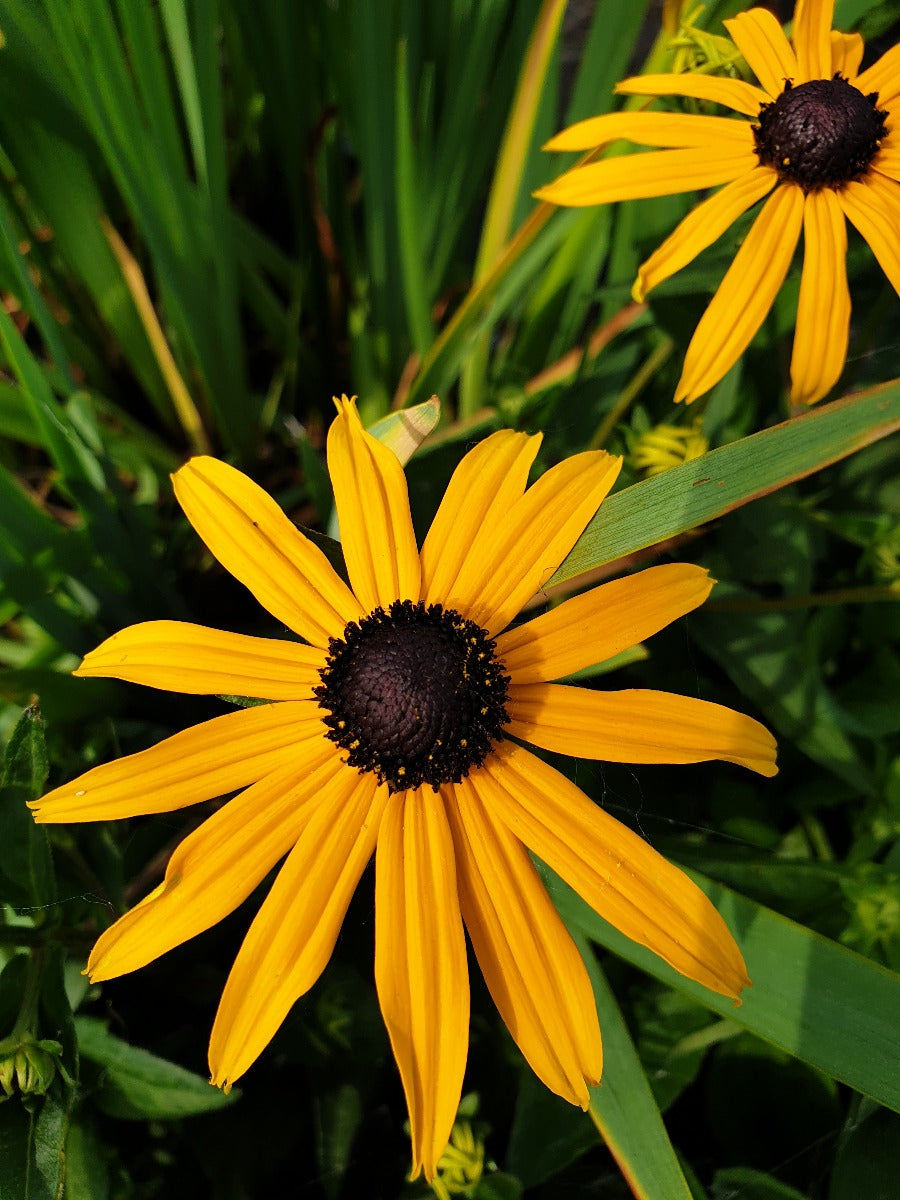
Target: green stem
x: 638, y: 382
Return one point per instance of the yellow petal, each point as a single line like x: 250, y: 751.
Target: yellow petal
x: 873, y: 206
x: 420, y: 966
x: 197, y: 764
x: 649, y: 129
x: 220, y: 863
x: 253, y: 539
x: 529, y: 961
x: 846, y: 54
x: 761, y: 40
x: 515, y: 556
x: 745, y: 295
x: 601, y: 623
x: 882, y: 77
x: 823, y: 312
x: 485, y: 485
x: 617, y: 873
x: 180, y: 657
x: 373, y: 513
x: 812, y: 39
x: 887, y: 160
x: 733, y: 93
x: 637, y: 726
x: 702, y: 226
x: 656, y: 173
x: 292, y: 937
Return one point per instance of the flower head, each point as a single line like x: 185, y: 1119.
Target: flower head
x: 396, y: 728
x: 818, y: 137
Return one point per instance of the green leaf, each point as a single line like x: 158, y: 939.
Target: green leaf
x: 26, y: 872
x: 32, y: 1150
x: 706, y: 488
x: 866, y: 1162
x: 25, y: 758
x: 623, y: 1107
x: 87, y: 1175
x: 136, y: 1084
x: 743, y: 1183
x: 805, y: 989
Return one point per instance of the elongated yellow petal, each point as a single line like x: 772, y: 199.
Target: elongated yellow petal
x: 530, y: 963
x: 420, y: 966
x: 617, y: 873
x: 611, y: 618
x: 220, y: 863
x: 650, y: 129
x: 846, y: 54
x: 763, y: 44
x: 293, y: 934
x: 887, y: 160
x: 514, y: 557
x: 812, y: 39
x: 823, y: 311
x: 702, y: 226
x: 733, y: 93
x: 180, y: 657
x: 873, y: 206
x: 882, y: 77
x: 486, y: 484
x: 637, y: 726
x: 656, y: 173
x: 745, y: 295
x: 253, y: 539
x: 373, y: 513
x: 197, y: 764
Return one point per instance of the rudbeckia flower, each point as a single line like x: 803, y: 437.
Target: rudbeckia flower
x: 817, y: 137
x: 398, y: 727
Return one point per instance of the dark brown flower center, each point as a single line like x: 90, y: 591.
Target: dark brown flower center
x: 415, y: 695
x: 820, y: 134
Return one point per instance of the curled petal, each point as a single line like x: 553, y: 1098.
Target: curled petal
x: 637, y: 726
x: 420, y: 966
x: 601, y: 623
x: 181, y: 657
x: 373, y: 513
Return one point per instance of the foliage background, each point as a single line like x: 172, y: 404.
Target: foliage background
x: 215, y: 214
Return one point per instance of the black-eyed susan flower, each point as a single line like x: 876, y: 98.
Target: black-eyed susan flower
x: 397, y: 727
x: 818, y: 137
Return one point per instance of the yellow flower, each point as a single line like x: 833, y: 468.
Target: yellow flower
x: 820, y: 136
x: 396, y: 727
x: 667, y: 446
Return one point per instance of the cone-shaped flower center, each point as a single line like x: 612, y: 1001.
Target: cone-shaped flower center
x: 414, y: 694
x: 820, y: 134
